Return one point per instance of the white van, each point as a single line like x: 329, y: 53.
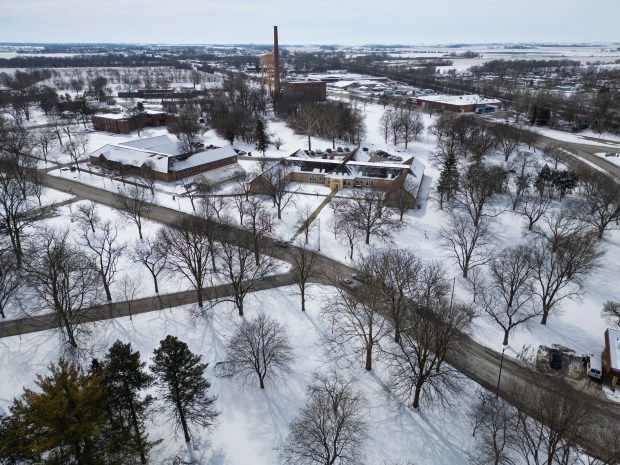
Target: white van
x: 594, y: 366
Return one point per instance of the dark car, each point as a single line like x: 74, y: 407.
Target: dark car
x: 347, y: 282
x: 281, y: 244
x: 555, y: 360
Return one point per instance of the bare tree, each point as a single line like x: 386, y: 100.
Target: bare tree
x: 600, y: 202
x: 356, y: 317
x: 304, y: 269
x: 507, y: 298
x: 188, y: 252
x: 554, y: 154
x: 508, y: 138
x: 240, y: 269
x: 346, y: 232
x: 10, y: 279
x: 105, y: 252
x: 611, y: 312
x: 395, y: 273
x: 60, y: 279
x: 430, y: 333
x: 45, y: 140
x: 16, y: 207
x: 304, y: 221
x: 477, y: 187
x: 330, y: 428
x: 275, y: 181
x: 410, y: 125
x: 306, y: 121
x: 469, y: 244
x: 533, y: 208
x: 260, y: 347
x: 561, y: 274
x: 153, y: 255
x: 135, y: 203
x: 495, y: 428
x: 87, y: 216
x: 367, y: 210
x: 561, y: 419
x: 521, y: 175
x: 259, y: 221
x: 77, y: 147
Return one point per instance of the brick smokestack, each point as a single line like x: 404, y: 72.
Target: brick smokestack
x: 276, y: 62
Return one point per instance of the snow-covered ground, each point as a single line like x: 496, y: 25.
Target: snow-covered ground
x: 254, y: 422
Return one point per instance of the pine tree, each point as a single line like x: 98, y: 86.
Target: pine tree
x: 61, y: 423
x: 262, y: 139
x: 448, y: 180
x: 183, y: 387
x: 123, y: 379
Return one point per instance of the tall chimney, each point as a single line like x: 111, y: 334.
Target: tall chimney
x: 276, y: 62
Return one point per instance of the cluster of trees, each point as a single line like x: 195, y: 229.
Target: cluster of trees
x: 101, y: 416
x: 401, y: 126
x: 505, y: 435
x: 331, y: 120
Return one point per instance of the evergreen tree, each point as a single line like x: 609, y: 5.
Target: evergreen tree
x: 183, y: 387
x: 448, y: 180
x: 262, y: 139
x: 63, y: 423
x: 123, y: 379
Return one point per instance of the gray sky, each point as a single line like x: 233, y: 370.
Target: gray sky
x: 309, y: 22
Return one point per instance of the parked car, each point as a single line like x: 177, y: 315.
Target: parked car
x: 281, y: 244
x: 339, y: 149
x: 319, y: 152
x: 555, y: 359
x: 365, y: 149
x: 347, y: 282
x: 328, y: 150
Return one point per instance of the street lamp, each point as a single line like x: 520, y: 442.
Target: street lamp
x: 499, y: 377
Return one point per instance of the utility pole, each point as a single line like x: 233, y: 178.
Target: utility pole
x: 319, y: 221
x: 499, y: 377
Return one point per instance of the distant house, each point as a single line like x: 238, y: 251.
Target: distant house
x: 161, y: 157
x: 123, y: 124
x: 400, y: 181
x: 455, y: 103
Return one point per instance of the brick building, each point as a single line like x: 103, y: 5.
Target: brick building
x: 400, y: 181
x: 123, y: 124
x: 307, y: 90
x: 160, y: 156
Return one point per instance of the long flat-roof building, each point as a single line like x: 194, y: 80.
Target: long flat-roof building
x: 456, y: 103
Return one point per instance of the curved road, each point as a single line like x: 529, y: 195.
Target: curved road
x: 472, y: 359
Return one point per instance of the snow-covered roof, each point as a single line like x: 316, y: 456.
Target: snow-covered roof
x: 614, y: 348
x: 133, y: 156
x: 204, y: 157
x: 111, y: 115
x: 159, y: 144
x: 459, y: 99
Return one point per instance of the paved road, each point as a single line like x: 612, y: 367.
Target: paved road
x: 474, y: 360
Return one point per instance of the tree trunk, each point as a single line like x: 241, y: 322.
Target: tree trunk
x: 106, y: 288
x: 368, y: 236
x: 416, y: 395
x: 544, y: 316
x: 239, y: 305
x: 155, y: 282
x: 136, y: 428
x: 506, y: 331
x: 302, y: 292
x: 262, y: 382
x: 368, y: 357
x: 199, y: 295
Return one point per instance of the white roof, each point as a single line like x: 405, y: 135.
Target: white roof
x: 160, y: 144
x: 614, y: 348
x: 133, y: 156
x: 111, y: 115
x: 207, y: 156
x: 459, y: 99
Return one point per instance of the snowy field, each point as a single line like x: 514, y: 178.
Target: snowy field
x: 254, y: 422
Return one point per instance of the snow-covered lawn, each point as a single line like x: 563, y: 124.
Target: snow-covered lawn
x: 254, y: 422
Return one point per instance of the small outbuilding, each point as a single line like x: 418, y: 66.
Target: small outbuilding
x: 611, y: 355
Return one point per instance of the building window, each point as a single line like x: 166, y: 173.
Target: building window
x: 313, y: 177
x: 369, y: 182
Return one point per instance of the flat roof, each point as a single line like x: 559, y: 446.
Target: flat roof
x: 614, y: 348
x: 206, y: 156
x: 111, y: 116
x: 459, y: 99
x: 160, y: 144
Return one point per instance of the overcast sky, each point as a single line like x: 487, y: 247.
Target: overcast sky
x: 309, y: 22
